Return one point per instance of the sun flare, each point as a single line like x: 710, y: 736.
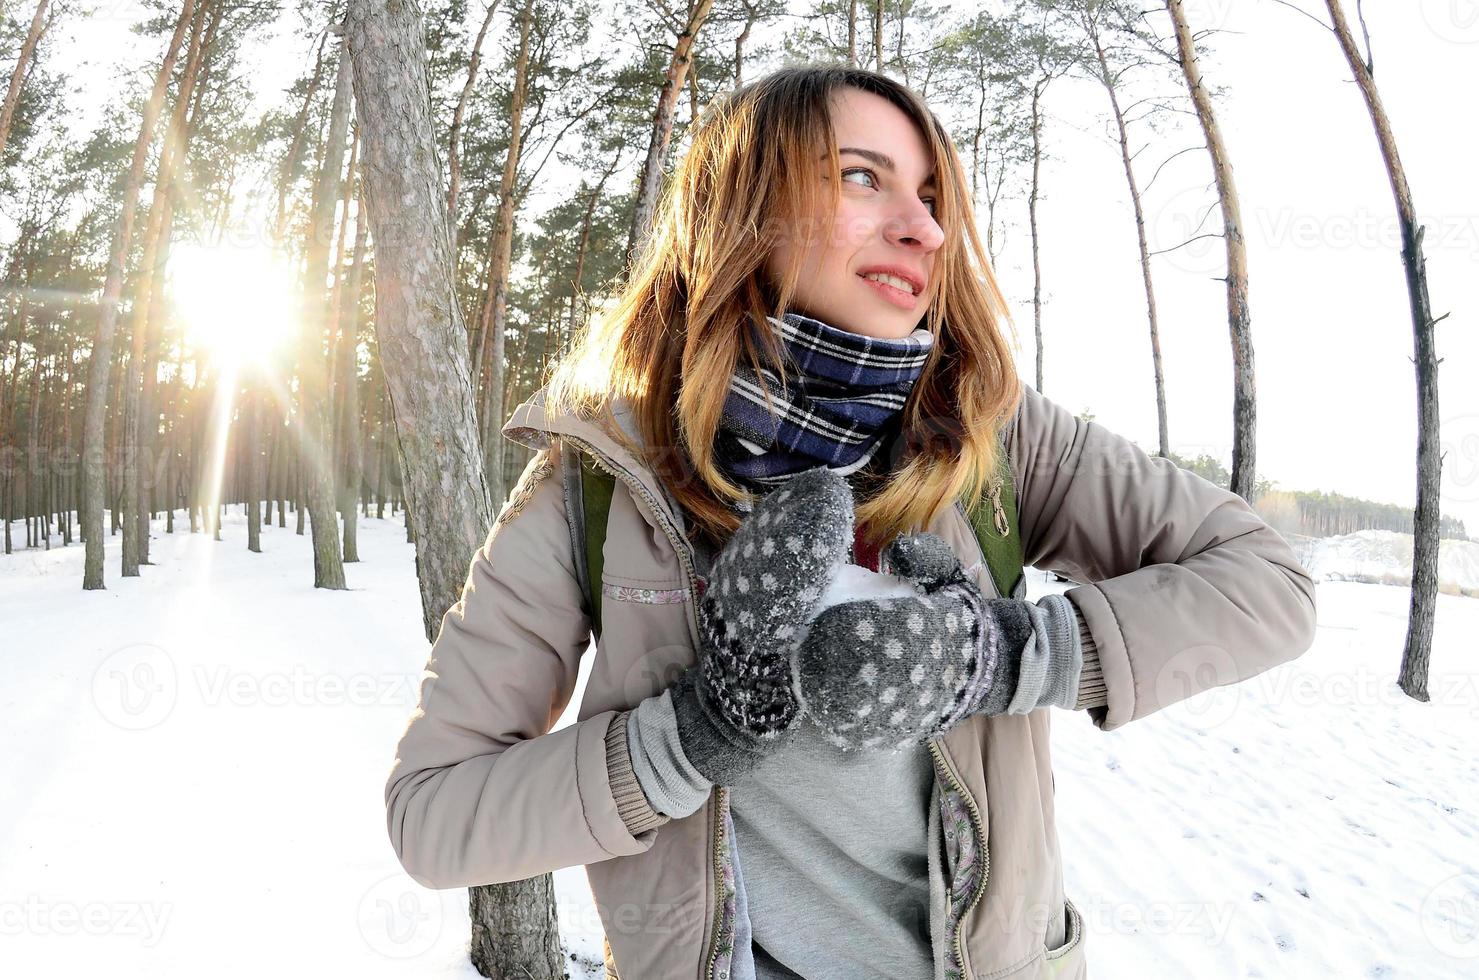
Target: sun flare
x: 239, y: 303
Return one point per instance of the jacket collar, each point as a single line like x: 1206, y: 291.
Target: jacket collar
x: 535, y: 423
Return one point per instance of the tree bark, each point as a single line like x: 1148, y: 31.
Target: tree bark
x: 878, y: 35
x: 316, y: 454
x: 254, y: 469
x: 94, y: 486
x: 135, y: 462
x: 300, y: 127
x: 1245, y: 414
x: 495, y: 308
x: 348, y: 402
x: 1107, y: 79
x: 454, y: 140
x: 422, y: 343
x: 1032, y: 197
x: 1416, y: 652
x: 650, y: 182
x: 22, y: 69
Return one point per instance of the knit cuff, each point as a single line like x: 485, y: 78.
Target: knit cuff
x: 631, y: 802
x: 672, y: 785
x: 1091, y: 690
x: 1050, y: 662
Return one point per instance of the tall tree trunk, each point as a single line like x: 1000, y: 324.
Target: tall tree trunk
x: 852, y: 33
x: 20, y: 72
x: 1413, y: 676
x: 576, y: 293
x: 739, y: 43
x: 1032, y: 198
x: 300, y: 128
x: 454, y: 140
x: 421, y: 341
x: 1245, y: 408
x: 662, y: 126
x: 253, y: 409
x: 878, y: 35
x: 336, y: 298
x: 135, y: 516
x: 102, y: 351
x: 348, y: 402
x: 316, y: 455
x: 495, y: 309
x: 178, y: 141
x: 1107, y: 78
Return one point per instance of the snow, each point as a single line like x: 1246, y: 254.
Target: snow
x: 1370, y: 555
x: 197, y: 758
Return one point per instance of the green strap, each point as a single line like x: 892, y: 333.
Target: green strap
x: 596, y: 487
x: 1002, y: 551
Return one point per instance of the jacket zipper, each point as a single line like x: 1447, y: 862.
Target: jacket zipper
x: 721, y: 801
x: 721, y: 793
x: 949, y: 773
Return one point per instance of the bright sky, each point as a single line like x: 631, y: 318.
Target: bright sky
x: 1331, y: 331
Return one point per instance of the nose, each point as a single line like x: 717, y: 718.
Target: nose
x: 915, y: 228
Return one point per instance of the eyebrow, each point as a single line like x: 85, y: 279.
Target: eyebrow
x: 882, y: 159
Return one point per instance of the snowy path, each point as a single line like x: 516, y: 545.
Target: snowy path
x: 196, y: 760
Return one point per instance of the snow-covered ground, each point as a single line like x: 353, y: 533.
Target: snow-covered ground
x: 1371, y: 556
x: 196, y: 758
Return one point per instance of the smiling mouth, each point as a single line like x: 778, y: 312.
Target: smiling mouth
x: 885, y: 286
x: 897, y: 282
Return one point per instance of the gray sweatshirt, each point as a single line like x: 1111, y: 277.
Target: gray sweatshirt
x: 831, y: 845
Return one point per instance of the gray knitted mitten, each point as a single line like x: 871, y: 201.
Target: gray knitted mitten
x: 894, y: 672
x: 735, y: 705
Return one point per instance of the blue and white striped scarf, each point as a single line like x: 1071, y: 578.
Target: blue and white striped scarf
x: 842, y: 393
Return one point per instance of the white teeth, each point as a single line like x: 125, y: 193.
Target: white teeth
x: 894, y: 281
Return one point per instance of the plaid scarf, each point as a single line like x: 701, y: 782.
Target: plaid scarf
x: 845, y: 392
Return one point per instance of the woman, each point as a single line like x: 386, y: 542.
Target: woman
x: 808, y: 352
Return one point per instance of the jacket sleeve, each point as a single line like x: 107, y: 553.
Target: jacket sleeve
x: 481, y: 791
x: 1187, y: 588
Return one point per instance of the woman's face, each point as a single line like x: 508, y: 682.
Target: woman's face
x: 884, y: 230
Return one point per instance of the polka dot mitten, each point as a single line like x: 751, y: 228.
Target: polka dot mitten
x: 888, y: 673
x: 736, y: 705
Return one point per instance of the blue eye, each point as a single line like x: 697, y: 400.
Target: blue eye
x: 860, y: 170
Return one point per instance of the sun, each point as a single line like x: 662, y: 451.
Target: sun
x: 239, y: 303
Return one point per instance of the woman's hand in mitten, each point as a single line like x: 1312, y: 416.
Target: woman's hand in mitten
x: 893, y: 672
x: 735, y: 705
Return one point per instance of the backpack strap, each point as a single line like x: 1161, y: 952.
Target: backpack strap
x: 587, y: 505
x: 995, y: 521
x: 588, y: 492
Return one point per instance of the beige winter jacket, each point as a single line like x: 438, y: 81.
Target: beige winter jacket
x: 1186, y: 588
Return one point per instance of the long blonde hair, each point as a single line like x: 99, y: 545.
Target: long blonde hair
x: 675, y: 335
